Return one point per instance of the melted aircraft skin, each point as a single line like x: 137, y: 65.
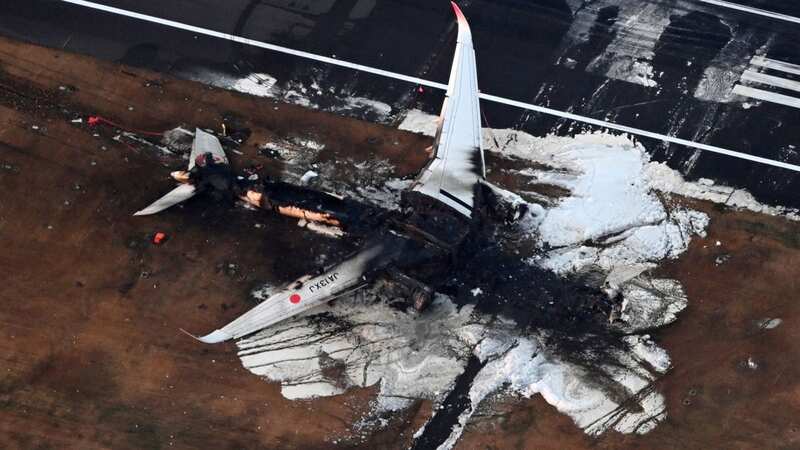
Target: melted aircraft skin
x: 305, y: 203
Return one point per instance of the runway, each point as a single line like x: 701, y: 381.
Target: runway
x: 676, y: 70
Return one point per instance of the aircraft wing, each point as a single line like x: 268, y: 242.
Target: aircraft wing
x: 458, y: 161
x: 304, y: 294
x: 206, y: 143
x: 181, y: 193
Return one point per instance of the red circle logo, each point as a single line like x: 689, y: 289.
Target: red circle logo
x: 295, y: 298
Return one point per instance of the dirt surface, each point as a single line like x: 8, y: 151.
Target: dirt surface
x: 92, y: 356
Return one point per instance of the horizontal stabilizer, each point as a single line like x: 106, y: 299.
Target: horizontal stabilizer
x: 181, y: 193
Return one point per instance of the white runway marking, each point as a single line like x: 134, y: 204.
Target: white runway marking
x: 766, y: 96
x: 751, y: 77
x: 770, y: 80
x: 751, y: 10
x: 644, y: 133
x: 774, y: 64
x: 420, y: 81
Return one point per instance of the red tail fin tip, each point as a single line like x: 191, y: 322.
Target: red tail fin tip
x: 458, y: 12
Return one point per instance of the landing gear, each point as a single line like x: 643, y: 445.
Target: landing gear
x: 422, y: 298
x: 420, y: 294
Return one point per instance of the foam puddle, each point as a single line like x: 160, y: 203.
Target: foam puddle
x: 360, y: 342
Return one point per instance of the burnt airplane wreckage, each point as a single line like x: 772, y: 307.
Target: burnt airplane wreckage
x: 443, y: 239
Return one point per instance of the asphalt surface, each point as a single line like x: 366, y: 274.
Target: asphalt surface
x: 662, y: 66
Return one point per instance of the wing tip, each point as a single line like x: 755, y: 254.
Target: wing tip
x: 457, y: 10
x: 214, y: 337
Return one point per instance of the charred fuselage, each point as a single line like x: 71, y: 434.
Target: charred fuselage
x: 429, y: 247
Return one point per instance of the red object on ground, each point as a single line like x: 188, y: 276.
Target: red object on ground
x: 97, y: 120
x: 159, y: 238
x: 295, y: 298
